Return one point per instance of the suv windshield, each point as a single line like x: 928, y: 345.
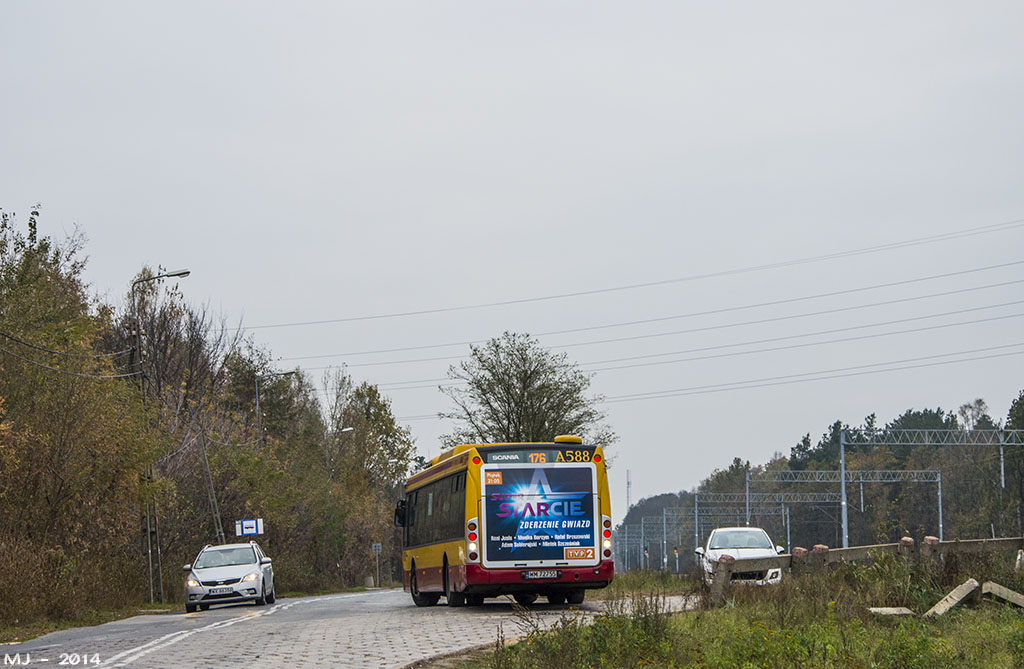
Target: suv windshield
x: 740, y: 539
x: 225, y: 557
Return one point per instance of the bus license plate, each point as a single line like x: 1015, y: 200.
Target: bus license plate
x: 220, y: 591
x: 542, y: 573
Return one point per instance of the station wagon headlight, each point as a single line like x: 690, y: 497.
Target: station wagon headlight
x: 191, y: 583
x: 251, y: 577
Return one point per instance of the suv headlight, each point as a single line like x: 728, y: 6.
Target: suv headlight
x: 251, y: 577
x: 191, y: 583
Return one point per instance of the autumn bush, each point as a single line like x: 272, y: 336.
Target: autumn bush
x: 86, y: 444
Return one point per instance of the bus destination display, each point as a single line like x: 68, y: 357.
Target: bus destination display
x: 539, y: 513
x: 541, y: 456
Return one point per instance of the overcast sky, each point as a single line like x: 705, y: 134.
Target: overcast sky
x: 314, y: 161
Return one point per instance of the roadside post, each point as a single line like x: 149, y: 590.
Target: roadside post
x: 376, y: 554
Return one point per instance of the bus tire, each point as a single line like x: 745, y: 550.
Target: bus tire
x: 556, y: 598
x: 421, y: 598
x: 576, y: 595
x: 525, y: 598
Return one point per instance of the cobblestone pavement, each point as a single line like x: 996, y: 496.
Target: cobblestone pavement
x: 380, y: 628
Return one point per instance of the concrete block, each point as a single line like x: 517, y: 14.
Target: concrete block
x: 1003, y: 593
x: 930, y: 550
x: 906, y: 548
x: 798, y: 563
x: 818, y: 557
x: 721, y: 578
x: 959, y: 594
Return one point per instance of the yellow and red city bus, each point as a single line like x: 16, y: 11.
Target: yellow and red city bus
x: 524, y: 519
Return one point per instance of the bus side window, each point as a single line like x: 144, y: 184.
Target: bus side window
x: 411, y: 534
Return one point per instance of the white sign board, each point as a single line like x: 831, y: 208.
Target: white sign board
x: 246, y: 528
x: 377, y: 548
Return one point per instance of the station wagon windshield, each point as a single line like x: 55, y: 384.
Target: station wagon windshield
x: 740, y: 539
x: 226, y: 557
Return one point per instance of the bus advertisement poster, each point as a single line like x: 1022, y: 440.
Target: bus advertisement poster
x: 543, y: 513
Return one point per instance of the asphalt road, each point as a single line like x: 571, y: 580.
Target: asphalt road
x: 379, y: 628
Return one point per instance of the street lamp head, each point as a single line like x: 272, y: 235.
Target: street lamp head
x: 179, y: 273
x: 273, y: 374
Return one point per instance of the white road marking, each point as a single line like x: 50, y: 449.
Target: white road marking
x: 127, y: 657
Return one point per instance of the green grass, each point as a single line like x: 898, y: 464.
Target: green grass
x: 627, y: 583
x: 819, y: 620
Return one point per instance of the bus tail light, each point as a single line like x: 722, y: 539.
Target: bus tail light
x: 473, y: 541
x: 606, y: 536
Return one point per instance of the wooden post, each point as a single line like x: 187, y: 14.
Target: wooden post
x: 723, y: 574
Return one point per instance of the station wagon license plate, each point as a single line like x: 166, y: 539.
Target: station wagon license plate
x: 542, y: 573
x: 220, y: 591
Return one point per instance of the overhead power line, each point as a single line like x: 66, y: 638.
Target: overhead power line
x: 815, y: 334
x: 877, y: 335
x: 64, y: 371
x: 95, y: 356
x: 817, y: 376
x: 805, y: 377
x: 223, y: 443
x: 689, y: 331
x: 710, y: 312
x: 931, y: 239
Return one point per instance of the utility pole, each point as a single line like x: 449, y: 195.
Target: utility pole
x: 218, y: 528
x: 696, y: 521
x: 747, y: 496
x: 643, y: 545
x: 842, y: 487
x: 629, y: 491
x: 625, y: 544
x: 664, y: 540
x: 151, y: 521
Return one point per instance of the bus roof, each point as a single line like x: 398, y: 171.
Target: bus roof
x: 462, y: 448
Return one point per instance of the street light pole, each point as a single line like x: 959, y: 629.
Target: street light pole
x: 259, y: 416
x: 152, y: 524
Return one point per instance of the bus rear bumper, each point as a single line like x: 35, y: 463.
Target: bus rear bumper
x: 499, y: 581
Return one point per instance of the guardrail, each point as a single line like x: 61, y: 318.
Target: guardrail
x: 820, y: 556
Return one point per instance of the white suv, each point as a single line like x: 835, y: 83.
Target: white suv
x: 741, y: 543
x: 229, y: 573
